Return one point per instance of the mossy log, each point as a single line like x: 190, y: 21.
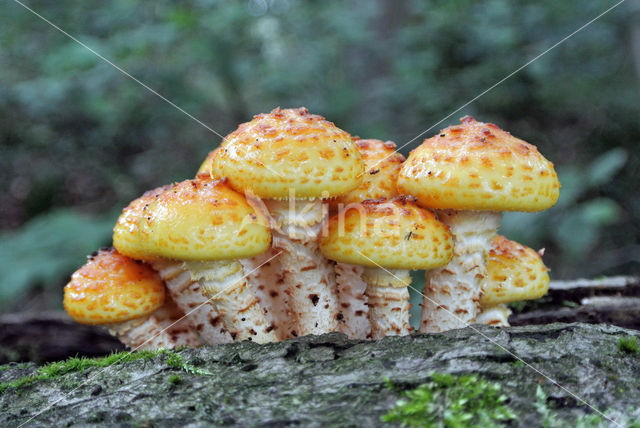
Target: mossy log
x: 332, y: 381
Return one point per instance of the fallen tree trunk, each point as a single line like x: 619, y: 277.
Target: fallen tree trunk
x: 51, y: 336
x: 611, y: 300
x: 329, y: 380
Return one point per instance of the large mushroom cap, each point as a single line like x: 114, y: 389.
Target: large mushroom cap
x: 289, y: 152
x: 478, y: 166
x: 382, y: 164
x: 192, y: 220
x: 395, y: 234
x: 515, y: 272
x: 112, y: 288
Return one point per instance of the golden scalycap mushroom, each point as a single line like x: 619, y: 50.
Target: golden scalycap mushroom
x: 289, y: 150
x: 515, y: 272
x: 478, y: 166
x: 395, y: 234
x: 382, y: 164
x: 112, y: 288
x: 196, y: 219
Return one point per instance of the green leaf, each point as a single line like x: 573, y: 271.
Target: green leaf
x: 603, y: 168
x: 47, y: 248
x: 602, y: 211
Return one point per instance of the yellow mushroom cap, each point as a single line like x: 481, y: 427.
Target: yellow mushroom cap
x: 515, y: 272
x: 395, y: 234
x: 382, y: 164
x: 478, y: 166
x: 195, y: 219
x: 206, y: 169
x: 112, y: 288
x: 288, y: 153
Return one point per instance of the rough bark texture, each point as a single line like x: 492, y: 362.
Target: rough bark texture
x: 330, y: 380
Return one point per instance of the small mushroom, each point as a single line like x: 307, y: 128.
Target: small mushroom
x: 496, y: 316
x: 291, y: 160
x: 388, y: 238
x: 382, y: 164
x: 514, y: 272
x: 196, y: 232
x: 129, y: 297
x: 469, y: 173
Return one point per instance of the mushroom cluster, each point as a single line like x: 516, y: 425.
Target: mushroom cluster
x: 294, y: 227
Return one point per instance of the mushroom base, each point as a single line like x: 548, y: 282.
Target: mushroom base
x: 165, y: 328
x: 188, y: 296
x: 388, y: 301
x: 265, y: 277
x: 225, y: 284
x: 452, y: 293
x: 497, y: 316
x: 353, y: 319
x: 308, y: 277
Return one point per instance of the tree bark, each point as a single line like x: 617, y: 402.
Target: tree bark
x: 329, y: 380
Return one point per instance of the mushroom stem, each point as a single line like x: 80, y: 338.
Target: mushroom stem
x: 266, y: 281
x: 452, y: 293
x: 164, y: 328
x: 225, y: 284
x: 309, y: 279
x: 353, y: 319
x: 388, y: 301
x: 497, y: 316
x: 188, y: 296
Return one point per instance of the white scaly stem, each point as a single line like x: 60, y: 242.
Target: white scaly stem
x: 188, y: 296
x: 164, y: 328
x: 388, y: 300
x: 452, y: 292
x: 267, y: 282
x: 353, y: 319
x: 497, y: 316
x: 309, y: 279
x: 225, y: 284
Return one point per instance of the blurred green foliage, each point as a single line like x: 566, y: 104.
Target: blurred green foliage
x: 47, y: 248
x: 75, y: 133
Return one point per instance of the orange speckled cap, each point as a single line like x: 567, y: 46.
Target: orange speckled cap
x: 515, y: 272
x: 395, y: 234
x: 382, y: 164
x: 478, y: 166
x: 288, y: 151
x: 112, y: 288
x: 199, y: 219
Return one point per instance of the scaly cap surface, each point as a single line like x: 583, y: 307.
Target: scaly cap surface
x: 395, y: 234
x: 112, y: 288
x: 382, y: 164
x: 478, y: 166
x: 289, y: 149
x: 196, y: 219
x: 514, y: 272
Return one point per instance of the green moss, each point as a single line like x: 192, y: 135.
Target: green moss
x: 451, y: 401
x: 175, y: 379
x: 78, y: 364
x: 629, y: 344
x: 176, y: 361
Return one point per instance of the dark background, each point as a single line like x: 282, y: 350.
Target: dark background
x: 78, y: 139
